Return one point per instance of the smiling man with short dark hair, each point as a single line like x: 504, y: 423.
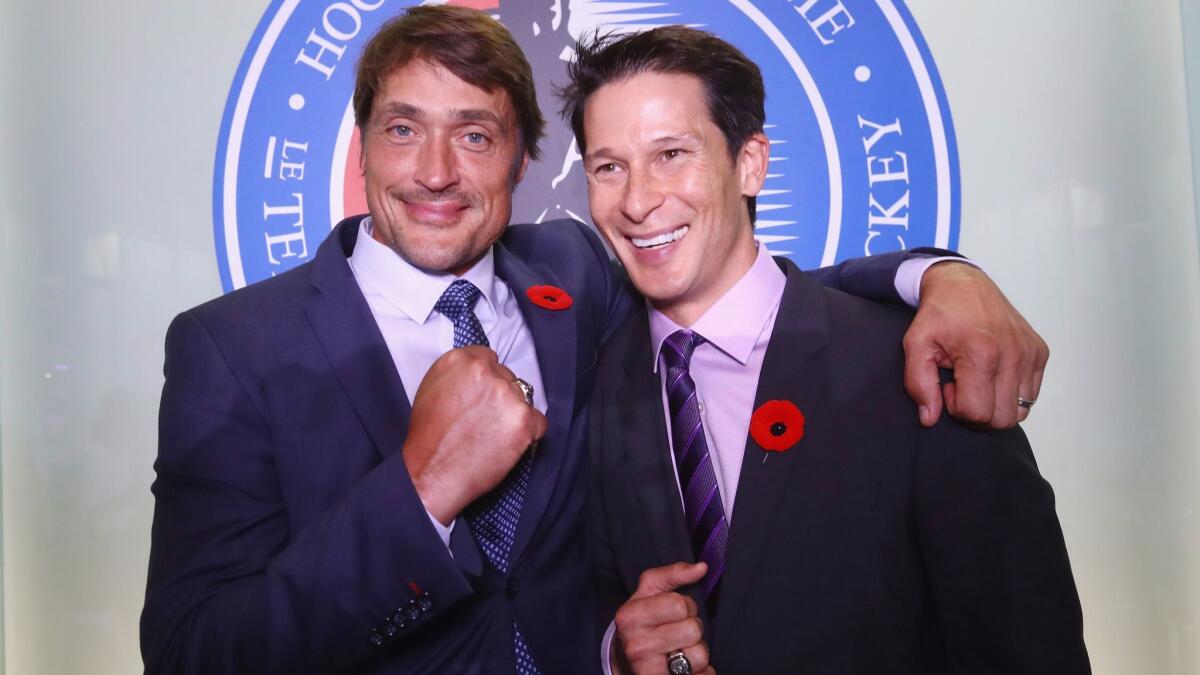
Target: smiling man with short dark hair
x: 863, y: 541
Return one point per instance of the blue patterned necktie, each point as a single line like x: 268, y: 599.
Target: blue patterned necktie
x: 493, y: 517
x: 702, y: 506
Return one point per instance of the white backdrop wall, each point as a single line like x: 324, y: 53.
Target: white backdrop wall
x: 1072, y: 123
x: 1072, y: 120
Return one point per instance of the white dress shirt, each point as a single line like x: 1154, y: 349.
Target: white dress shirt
x: 401, y: 298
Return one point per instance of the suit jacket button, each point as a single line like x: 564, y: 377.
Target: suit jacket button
x: 412, y: 611
x: 425, y: 602
x: 400, y: 619
x: 376, y: 638
x: 390, y: 629
x: 512, y: 588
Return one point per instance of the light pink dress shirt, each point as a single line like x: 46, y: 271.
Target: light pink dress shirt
x: 725, y: 368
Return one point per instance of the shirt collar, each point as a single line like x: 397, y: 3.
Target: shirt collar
x: 734, y: 323
x: 411, y: 290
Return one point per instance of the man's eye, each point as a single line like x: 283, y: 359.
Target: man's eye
x: 672, y: 153
x: 476, y: 138
x: 606, y: 168
x: 401, y: 130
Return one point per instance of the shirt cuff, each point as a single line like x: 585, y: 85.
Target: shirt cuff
x: 442, y: 530
x: 911, y: 271
x: 606, y: 647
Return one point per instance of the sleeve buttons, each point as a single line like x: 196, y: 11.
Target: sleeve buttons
x: 403, y: 618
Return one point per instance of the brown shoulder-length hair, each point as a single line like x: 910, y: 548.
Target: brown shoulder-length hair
x: 468, y: 43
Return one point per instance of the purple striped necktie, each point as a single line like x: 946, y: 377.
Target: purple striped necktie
x: 703, y: 510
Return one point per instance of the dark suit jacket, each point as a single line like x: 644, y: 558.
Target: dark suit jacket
x: 873, y: 545
x: 286, y: 528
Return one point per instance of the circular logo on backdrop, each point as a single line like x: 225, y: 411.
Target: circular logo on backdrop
x: 863, y: 158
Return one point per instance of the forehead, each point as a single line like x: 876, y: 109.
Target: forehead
x: 647, y: 104
x: 434, y: 89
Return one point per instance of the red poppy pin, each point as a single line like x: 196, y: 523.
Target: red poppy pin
x: 549, y: 297
x: 777, y: 426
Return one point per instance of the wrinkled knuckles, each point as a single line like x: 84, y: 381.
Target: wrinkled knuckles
x: 692, y: 608
x: 972, y: 411
x: 639, y: 654
x: 914, y: 340
x: 626, y: 621
x: 478, y: 352
x: 474, y: 369
x: 1004, y: 419
x: 679, y: 607
x: 984, y: 353
x: 1043, y: 355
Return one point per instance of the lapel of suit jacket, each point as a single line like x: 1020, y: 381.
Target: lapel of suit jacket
x: 555, y: 340
x: 646, y: 449
x: 794, y: 369
x: 352, y: 341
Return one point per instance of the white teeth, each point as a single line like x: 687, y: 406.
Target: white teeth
x: 661, y: 239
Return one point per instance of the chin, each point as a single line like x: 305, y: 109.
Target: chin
x: 424, y: 255
x: 657, y: 293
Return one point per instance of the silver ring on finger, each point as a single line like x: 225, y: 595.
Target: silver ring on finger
x: 1026, y: 403
x: 678, y: 664
x: 526, y: 390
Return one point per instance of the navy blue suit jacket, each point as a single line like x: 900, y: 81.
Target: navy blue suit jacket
x: 873, y: 545
x: 287, y: 535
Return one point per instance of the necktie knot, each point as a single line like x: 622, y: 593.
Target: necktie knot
x: 458, y: 304
x: 459, y: 297
x: 679, y: 347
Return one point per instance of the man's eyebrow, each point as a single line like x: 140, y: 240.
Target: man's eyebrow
x: 660, y: 141
x: 679, y: 138
x: 398, y: 109
x: 476, y: 115
x: 591, y: 155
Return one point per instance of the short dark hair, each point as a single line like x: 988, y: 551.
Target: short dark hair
x: 733, y: 83
x: 467, y: 42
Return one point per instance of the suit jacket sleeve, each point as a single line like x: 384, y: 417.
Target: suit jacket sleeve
x: 995, y: 555
x: 231, y: 587
x: 872, y: 277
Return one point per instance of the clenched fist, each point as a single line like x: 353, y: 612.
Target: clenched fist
x: 470, y: 425
x: 657, y: 620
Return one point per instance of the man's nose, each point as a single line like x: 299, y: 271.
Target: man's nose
x: 436, y: 166
x: 642, y: 195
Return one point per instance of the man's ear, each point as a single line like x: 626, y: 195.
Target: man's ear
x: 752, y: 163
x: 362, y: 149
x: 519, y: 169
